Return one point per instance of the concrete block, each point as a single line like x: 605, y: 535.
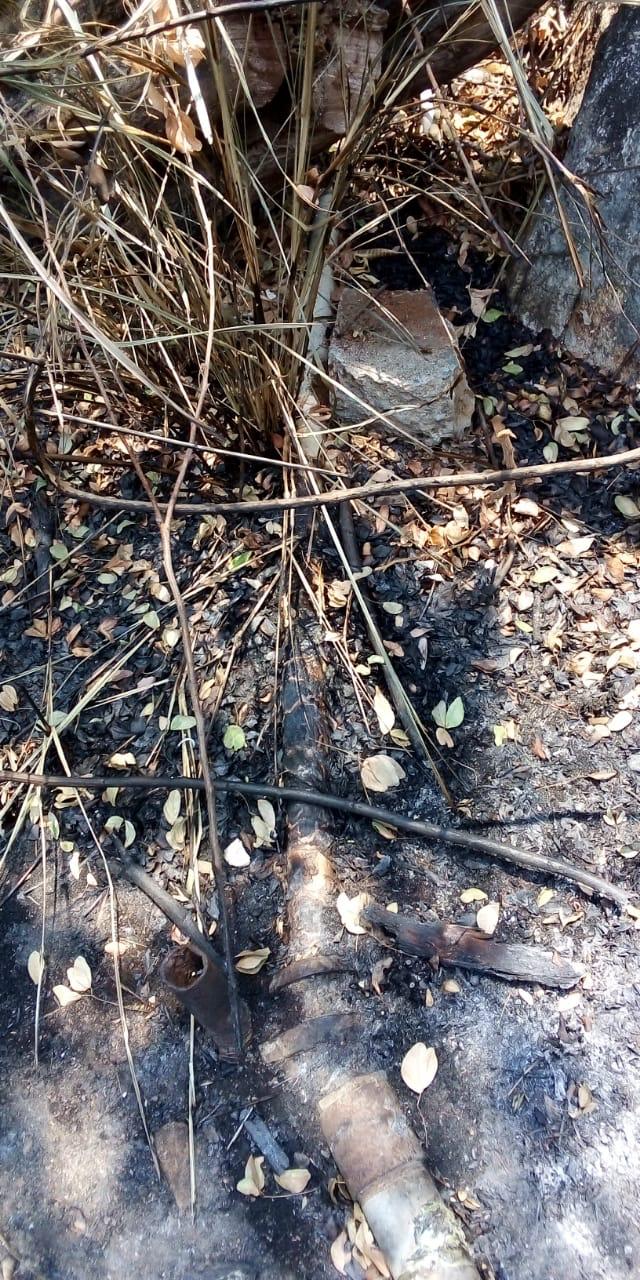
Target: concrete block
x: 394, y: 352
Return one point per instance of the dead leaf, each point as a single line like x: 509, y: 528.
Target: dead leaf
x: 181, y: 132
x: 252, y: 1184
x: 538, y: 748
x: 252, y: 961
x: 293, y: 1180
x: 384, y: 712
x: 377, y: 974
x: 8, y: 697
x: 341, y: 1253
x: 381, y: 773
x: 35, y: 967
x: 172, y: 1148
x: 65, y: 996
x: 545, y: 896
x: 419, y: 1067
x: 619, y: 722
x: 349, y: 911
x: 171, y: 807
x: 473, y: 895
x: 487, y: 917
x: 236, y: 855
x: 450, y: 987
x: 79, y: 975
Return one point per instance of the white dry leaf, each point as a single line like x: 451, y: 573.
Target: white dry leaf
x: 121, y: 759
x: 79, y: 976
x: 341, y: 1253
x: 177, y: 836
x: 64, y: 995
x: 74, y: 864
x: 487, y: 917
x: 267, y: 813
x: 129, y: 834
x: 263, y: 832
x: 293, y: 1180
x: 381, y: 772
x: 349, y: 911
x: 575, y: 547
x: 253, y: 1182
x: 419, y: 1067
x: 384, y: 711
x: 627, y: 507
x: 8, y: 697
x: 473, y: 895
x: 236, y: 855
x: 171, y: 806
x: 619, y: 722
x: 252, y: 961
x: 35, y: 967
x: 117, y: 948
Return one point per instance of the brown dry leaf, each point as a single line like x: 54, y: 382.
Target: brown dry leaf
x: 538, y: 748
x: 181, y: 132
x: 252, y: 961
x: 307, y: 194
x: 381, y: 773
x: 79, y: 976
x: 575, y: 547
x: 8, y: 697
x: 252, y: 1184
x: 293, y: 1180
x: 384, y: 711
x: 117, y: 948
x: 487, y: 917
x: 419, y: 1067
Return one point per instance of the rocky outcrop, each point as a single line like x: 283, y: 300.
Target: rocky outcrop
x: 598, y: 321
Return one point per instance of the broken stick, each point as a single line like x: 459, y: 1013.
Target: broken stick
x: 458, y: 945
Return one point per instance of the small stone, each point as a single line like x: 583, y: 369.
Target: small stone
x: 395, y: 353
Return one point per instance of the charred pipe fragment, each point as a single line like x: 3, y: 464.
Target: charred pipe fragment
x: 381, y: 1160
x: 457, y: 945
x: 201, y: 988
x: 196, y: 975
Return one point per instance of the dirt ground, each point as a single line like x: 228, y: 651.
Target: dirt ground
x: 532, y: 1123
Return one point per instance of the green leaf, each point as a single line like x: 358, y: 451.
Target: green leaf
x: 183, y: 722
x: 455, y: 714
x: 239, y: 561
x: 234, y: 739
x: 107, y: 578
x: 439, y: 714
x: 491, y: 315
x: 58, y: 551
x: 550, y: 451
x: 512, y: 367
x: 152, y: 620
x: 627, y: 507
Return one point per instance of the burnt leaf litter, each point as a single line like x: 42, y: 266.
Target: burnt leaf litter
x: 513, y: 619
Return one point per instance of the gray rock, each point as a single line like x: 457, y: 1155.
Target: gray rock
x: 394, y: 353
x: 600, y: 322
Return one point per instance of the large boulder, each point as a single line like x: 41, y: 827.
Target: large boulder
x: 600, y: 321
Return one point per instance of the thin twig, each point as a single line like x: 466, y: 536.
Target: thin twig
x: 426, y: 830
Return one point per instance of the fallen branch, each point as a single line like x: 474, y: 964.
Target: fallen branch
x: 361, y: 492
x: 588, y: 880
x: 457, y: 945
